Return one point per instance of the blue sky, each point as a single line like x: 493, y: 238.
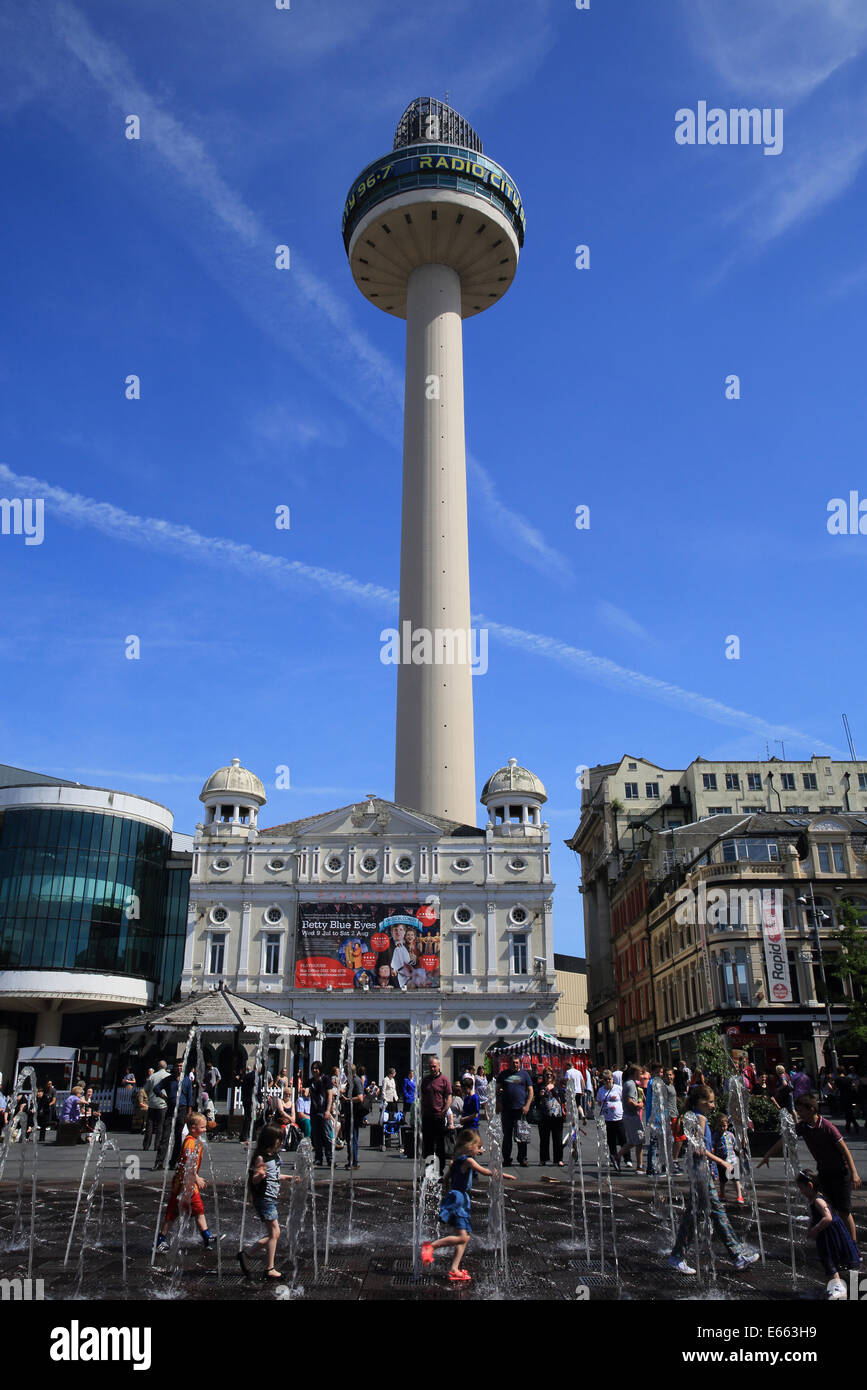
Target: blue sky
x: 261, y: 387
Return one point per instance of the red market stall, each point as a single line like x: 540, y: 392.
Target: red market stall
x: 537, y: 1051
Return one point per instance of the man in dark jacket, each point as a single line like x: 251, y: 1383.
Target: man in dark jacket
x: 170, y: 1090
x: 322, y: 1103
x: 514, y: 1098
x: 249, y: 1094
x: 436, y: 1097
x: 848, y: 1087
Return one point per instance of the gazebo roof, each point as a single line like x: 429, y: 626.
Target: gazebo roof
x: 537, y: 1041
x: 213, y: 1011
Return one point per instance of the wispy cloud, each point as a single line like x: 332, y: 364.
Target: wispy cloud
x: 852, y: 282
x: 816, y: 172
x: 516, y: 529
x: 245, y: 265
x: 620, y: 621
x: 285, y: 427
x: 793, y: 54
x: 126, y: 779
x: 122, y: 778
x: 330, y: 344
x: 602, y: 671
x: 153, y: 533
x: 783, y: 49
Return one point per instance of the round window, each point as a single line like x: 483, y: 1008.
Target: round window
x: 276, y: 863
x: 221, y: 864
x: 531, y: 1022
x: 463, y: 1023
x: 518, y: 915
x: 517, y: 864
x: 220, y: 914
x: 463, y: 915
x: 501, y: 1024
x: 404, y: 863
x: 333, y: 864
x: 461, y: 865
x: 368, y: 863
x: 274, y: 914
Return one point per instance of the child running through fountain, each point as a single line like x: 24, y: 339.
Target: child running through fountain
x: 455, y: 1210
x: 831, y: 1155
x: 187, y: 1186
x: 265, y: 1180
x: 725, y: 1149
x: 834, y: 1245
x: 701, y: 1101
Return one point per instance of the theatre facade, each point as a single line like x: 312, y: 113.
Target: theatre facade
x: 392, y: 922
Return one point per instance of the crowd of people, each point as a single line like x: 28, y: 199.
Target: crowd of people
x: 664, y: 1115
x: 79, y: 1111
x: 652, y: 1116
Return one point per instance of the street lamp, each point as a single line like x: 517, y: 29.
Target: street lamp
x: 817, y: 917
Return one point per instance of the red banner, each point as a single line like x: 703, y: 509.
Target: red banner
x: 367, y: 946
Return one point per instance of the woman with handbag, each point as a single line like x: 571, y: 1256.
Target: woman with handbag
x: 633, y: 1125
x: 551, y: 1111
x: 610, y: 1101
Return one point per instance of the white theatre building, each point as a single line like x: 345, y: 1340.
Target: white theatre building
x: 288, y: 915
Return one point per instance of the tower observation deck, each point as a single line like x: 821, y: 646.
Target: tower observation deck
x: 449, y: 204
x: 433, y: 231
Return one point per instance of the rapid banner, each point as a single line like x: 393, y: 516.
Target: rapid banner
x: 367, y: 946
x: 776, y: 959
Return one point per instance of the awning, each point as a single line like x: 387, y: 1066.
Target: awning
x: 537, y: 1041
x: 45, y: 1053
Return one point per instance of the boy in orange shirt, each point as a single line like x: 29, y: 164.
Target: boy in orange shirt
x: 187, y: 1186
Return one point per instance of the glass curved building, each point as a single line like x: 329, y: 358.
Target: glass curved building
x: 93, y: 907
x: 81, y: 890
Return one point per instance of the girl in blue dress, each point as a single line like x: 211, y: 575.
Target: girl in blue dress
x: 455, y: 1209
x: 834, y: 1245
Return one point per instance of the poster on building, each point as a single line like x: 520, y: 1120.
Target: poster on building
x: 367, y: 946
x: 776, y: 959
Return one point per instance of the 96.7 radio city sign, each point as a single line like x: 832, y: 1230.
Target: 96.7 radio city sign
x: 474, y: 167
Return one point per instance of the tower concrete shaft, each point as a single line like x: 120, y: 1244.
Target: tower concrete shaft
x: 434, y: 754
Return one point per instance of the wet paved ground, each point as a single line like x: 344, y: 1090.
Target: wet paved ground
x: 545, y: 1258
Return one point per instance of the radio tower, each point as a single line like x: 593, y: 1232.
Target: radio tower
x: 433, y: 232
